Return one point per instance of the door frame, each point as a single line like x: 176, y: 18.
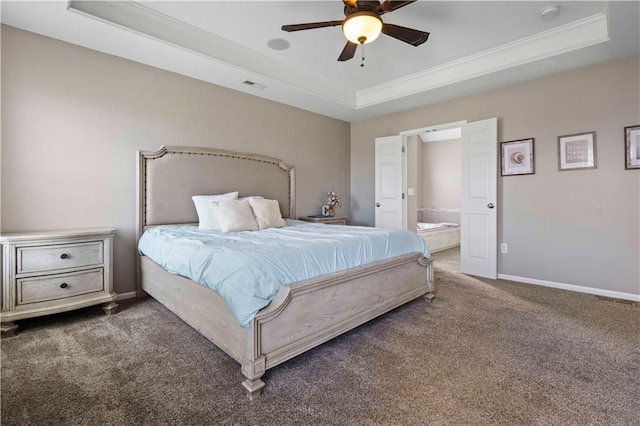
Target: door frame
x: 417, y: 131
x: 414, y: 132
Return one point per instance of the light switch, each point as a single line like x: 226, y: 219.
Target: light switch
x: 410, y: 192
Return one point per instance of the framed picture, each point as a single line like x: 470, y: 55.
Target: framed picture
x: 577, y: 152
x: 517, y: 157
x: 632, y: 147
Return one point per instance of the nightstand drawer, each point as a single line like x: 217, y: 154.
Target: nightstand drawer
x: 52, y: 287
x: 62, y: 256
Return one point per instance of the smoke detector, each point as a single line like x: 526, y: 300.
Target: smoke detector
x: 550, y: 11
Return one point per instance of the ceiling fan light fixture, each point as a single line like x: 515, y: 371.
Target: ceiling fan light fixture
x: 362, y: 27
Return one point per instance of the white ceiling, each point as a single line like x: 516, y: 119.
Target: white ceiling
x: 473, y: 47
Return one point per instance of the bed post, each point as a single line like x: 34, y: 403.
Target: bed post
x: 254, y: 364
x: 253, y: 370
x: 141, y: 207
x: 428, y: 263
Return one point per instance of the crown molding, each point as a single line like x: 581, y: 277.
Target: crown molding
x: 157, y: 26
x: 149, y: 23
x: 576, y: 35
x: 218, y: 61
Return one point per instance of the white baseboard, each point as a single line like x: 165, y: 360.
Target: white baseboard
x: 571, y: 287
x: 124, y: 296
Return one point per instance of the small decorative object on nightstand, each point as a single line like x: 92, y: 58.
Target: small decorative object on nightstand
x: 329, y: 220
x: 55, y: 271
x: 334, y: 202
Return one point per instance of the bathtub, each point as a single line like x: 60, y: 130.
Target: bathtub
x: 440, y: 228
x: 439, y: 236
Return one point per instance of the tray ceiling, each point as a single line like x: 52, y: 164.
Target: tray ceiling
x: 473, y: 47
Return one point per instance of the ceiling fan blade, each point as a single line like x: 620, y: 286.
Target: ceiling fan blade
x: 390, y: 6
x: 348, y: 51
x: 310, y: 26
x: 408, y: 35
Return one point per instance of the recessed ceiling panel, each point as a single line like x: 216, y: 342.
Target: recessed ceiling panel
x: 473, y: 46
x: 457, y: 29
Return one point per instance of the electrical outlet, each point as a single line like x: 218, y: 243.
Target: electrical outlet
x: 503, y: 248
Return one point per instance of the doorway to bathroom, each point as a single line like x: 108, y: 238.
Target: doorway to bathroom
x: 477, y: 195
x: 434, y: 178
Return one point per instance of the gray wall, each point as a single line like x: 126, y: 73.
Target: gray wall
x: 413, y: 180
x: 572, y: 227
x: 441, y: 174
x: 73, y: 119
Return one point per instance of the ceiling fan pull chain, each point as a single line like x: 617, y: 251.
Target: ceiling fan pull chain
x: 362, y: 63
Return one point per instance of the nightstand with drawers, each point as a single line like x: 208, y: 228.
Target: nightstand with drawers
x: 329, y: 220
x: 55, y: 271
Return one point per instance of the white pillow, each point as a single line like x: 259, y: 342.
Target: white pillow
x: 267, y: 213
x: 235, y: 216
x: 207, y: 219
x: 250, y: 197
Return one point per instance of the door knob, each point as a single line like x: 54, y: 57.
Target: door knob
x: 490, y: 205
x: 377, y: 204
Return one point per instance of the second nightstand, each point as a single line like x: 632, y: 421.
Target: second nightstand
x: 329, y: 220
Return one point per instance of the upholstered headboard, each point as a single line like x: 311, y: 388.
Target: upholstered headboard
x: 170, y: 176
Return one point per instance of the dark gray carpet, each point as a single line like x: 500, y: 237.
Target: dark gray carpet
x: 482, y: 353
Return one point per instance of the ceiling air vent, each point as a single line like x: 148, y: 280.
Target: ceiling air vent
x: 254, y: 84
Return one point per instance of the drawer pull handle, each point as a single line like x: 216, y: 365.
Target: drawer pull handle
x: 64, y: 285
x: 64, y: 256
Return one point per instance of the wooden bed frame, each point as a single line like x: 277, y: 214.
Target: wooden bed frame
x: 302, y: 315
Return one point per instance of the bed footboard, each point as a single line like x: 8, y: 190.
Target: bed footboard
x: 311, y: 312
x: 302, y: 316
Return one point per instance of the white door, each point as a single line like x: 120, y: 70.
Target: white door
x: 478, y: 230
x: 388, y: 186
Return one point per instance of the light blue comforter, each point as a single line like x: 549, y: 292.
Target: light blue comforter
x: 248, y: 268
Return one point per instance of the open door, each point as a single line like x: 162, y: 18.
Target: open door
x: 388, y: 185
x: 479, y: 229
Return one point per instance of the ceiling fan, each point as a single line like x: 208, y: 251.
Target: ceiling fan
x: 363, y: 24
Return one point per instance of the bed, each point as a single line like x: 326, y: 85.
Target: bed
x: 302, y: 314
